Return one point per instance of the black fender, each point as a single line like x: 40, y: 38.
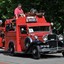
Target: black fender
x: 35, y: 43
x: 28, y: 39
x: 11, y: 44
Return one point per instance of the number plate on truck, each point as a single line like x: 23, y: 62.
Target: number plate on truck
x: 44, y: 46
x: 45, y: 49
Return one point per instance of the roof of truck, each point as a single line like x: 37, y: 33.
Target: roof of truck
x: 39, y: 21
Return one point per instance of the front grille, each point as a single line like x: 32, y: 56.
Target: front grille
x: 51, y: 37
x: 52, y: 40
x: 52, y: 44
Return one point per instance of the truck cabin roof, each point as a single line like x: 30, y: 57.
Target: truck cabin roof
x: 32, y: 21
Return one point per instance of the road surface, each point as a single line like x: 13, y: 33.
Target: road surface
x: 26, y: 59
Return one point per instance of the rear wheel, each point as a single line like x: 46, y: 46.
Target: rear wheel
x: 11, y: 49
x: 35, y: 53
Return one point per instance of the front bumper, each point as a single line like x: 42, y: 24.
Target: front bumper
x: 52, y: 50
x: 51, y: 46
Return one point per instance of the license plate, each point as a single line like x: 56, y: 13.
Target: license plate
x: 52, y: 39
x: 45, y: 49
x: 44, y: 46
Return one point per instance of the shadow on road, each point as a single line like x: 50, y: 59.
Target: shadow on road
x: 30, y: 56
x: 42, y: 56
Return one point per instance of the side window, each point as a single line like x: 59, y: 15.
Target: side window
x: 23, y: 30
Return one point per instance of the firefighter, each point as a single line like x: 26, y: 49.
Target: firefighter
x: 18, y: 11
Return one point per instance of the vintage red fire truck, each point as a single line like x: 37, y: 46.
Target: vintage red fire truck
x: 31, y: 34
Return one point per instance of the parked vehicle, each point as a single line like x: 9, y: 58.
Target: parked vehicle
x: 32, y: 35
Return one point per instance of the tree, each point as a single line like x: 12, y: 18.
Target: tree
x: 54, y: 9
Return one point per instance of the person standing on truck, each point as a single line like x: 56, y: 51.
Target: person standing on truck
x: 18, y: 11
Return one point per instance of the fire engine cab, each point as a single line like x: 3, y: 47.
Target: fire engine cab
x: 29, y: 34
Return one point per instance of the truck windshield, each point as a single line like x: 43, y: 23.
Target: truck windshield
x: 38, y: 29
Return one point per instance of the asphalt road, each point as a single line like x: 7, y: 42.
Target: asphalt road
x: 27, y: 59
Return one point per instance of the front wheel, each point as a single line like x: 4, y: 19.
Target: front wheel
x: 35, y: 52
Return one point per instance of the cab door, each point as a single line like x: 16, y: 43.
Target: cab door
x: 23, y: 35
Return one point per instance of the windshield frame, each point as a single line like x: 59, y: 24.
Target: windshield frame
x: 39, y: 31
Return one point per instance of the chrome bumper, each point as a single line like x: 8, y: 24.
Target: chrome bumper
x: 52, y: 50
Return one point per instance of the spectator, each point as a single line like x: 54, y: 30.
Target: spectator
x: 33, y: 11
x: 18, y: 11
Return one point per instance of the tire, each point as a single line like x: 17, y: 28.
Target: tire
x: 11, y: 49
x: 63, y: 54
x: 35, y: 52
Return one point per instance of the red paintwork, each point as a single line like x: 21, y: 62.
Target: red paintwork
x: 18, y: 39
x: 1, y: 42
x: 2, y: 29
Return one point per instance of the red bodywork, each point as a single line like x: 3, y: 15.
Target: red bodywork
x: 2, y: 37
x: 18, y: 38
x: 1, y: 42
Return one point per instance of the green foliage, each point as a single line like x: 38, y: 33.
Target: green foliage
x: 54, y: 9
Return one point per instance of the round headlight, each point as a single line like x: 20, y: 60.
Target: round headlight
x: 36, y: 37
x: 60, y: 38
x: 45, y: 38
